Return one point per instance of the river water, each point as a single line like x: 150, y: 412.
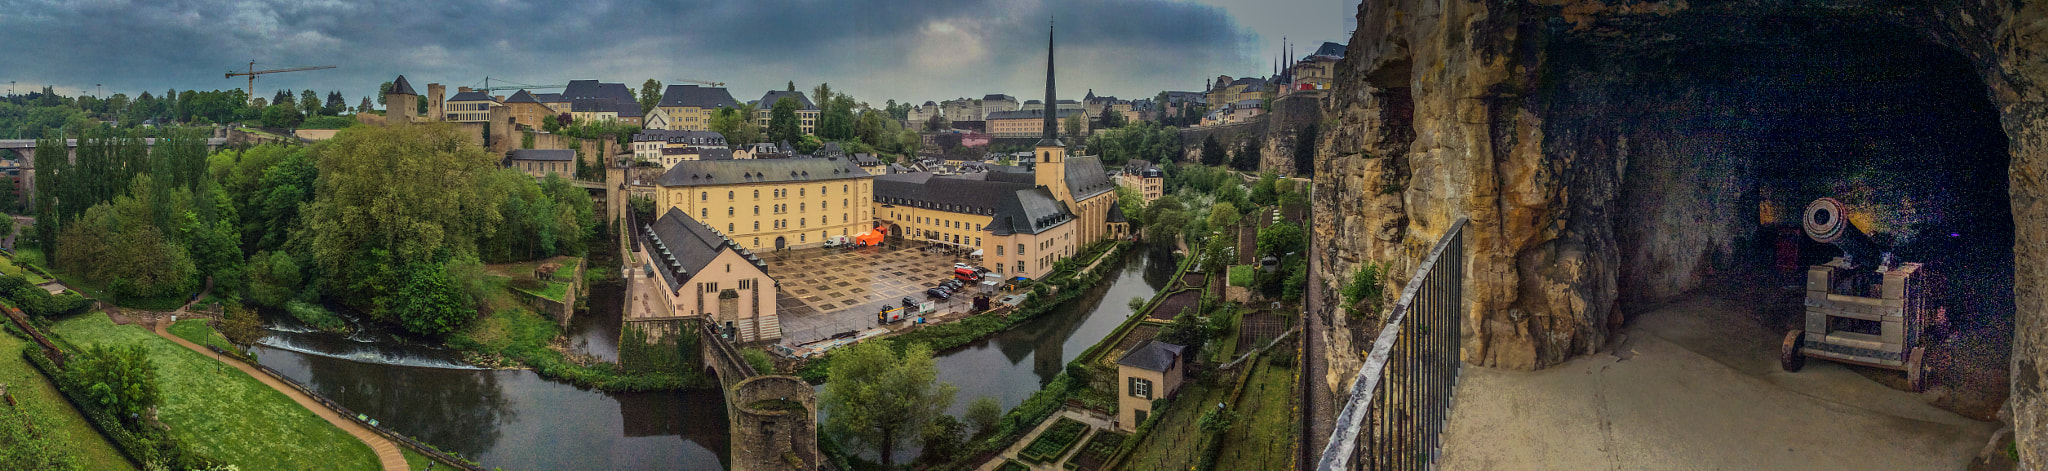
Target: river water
x: 517, y: 420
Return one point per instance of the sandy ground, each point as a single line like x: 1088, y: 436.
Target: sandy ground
x: 1695, y: 384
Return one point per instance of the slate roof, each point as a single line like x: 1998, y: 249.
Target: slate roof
x: 1330, y: 49
x: 522, y: 97
x: 1085, y: 178
x: 472, y: 95
x: 701, y: 97
x: 550, y: 97
x: 1012, y: 207
x: 547, y: 155
x: 1116, y: 213
x: 688, y: 245
x: 727, y: 172
x: 708, y: 138
x: 998, y: 97
x: 1153, y: 355
x: 802, y: 102
x: 400, y: 86
x: 1137, y: 165
x: 866, y: 160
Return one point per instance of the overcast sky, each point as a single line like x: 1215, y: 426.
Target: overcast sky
x: 905, y: 50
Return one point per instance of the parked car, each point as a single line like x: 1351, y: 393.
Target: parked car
x: 938, y: 294
x: 908, y: 303
x: 958, y: 266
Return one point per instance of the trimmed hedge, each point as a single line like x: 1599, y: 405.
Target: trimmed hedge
x: 1056, y: 440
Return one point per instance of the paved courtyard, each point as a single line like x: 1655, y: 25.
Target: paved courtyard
x: 828, y: 291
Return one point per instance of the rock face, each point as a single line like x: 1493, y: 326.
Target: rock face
x: 1610, y: 153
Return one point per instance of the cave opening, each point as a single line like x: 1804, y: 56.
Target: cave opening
x: 1718, y: 131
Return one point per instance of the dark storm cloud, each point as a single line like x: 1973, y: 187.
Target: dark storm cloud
x: 914, y: 50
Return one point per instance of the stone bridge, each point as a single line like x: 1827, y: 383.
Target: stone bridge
x: 773, y: 418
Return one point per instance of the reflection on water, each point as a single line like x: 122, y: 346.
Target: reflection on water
x: 1013, y: 364
x: 517, y: 420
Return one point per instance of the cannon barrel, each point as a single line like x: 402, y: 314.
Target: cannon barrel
x: 1826, y: 221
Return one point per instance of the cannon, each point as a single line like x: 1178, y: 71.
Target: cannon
x: 1862, y: 307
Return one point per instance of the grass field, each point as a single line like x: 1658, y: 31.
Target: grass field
x: 196, y: 331
x: 417, y: 461
x: 28, y: 385
x: 224, y: 413
x: 1264, y: 432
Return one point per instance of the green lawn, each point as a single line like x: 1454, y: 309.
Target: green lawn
x: 415, y: 460
x: 1266, y: 425
x: 28, y: 385
x: 224, y: 413
x: 196, y: 331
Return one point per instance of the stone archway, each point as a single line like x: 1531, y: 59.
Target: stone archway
x: 780, y: 243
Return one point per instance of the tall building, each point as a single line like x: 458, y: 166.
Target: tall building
x: 1022, y: 221
x: 806, y: 113
x: 688, y: 108
x: 767, y: 204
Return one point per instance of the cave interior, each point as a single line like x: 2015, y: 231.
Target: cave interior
x: 1694, y: 141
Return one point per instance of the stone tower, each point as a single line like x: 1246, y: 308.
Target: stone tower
x: 1051, y: 168
x: 399, y: 104
x: 435, y: 94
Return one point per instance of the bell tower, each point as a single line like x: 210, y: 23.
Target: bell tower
x: 1050, y: 156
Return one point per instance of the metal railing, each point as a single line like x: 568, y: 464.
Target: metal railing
x: 1395, y: 415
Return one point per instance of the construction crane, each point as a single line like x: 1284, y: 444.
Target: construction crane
x: 701, y: 82
x: 487, y: 88
x: 252, y: 73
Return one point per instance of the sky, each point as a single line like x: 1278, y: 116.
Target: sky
x: 904, y: 50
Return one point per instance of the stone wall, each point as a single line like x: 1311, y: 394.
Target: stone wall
x: 1449, y: 109
x: 1232, y: 136
x: 770, y: 438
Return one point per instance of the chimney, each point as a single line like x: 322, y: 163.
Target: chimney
x: 461, y: 89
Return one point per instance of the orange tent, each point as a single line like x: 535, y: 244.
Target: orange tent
x: 871, y: 238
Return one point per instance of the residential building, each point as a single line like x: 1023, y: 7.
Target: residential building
x: 1032, y: 105
x: 961, y: 109
x: 668, y: 147
x: 541, y: 162
x: 527, y: 109
x: 921, y: 113
x: 772, y: 203
x: 701, y: 273
x: 1144, y: 178
x: 1226, y: 90
x: 1316, y: 71
x: 806, y: 113
x: 590, y: 100
x: 688, y: 108
x: 997, y: 102
x: 1152, y: 370
x: 868, y: 162
x: 1026, y: 123
x: 469, y: 106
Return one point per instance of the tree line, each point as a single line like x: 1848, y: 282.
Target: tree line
x: 393, y: 222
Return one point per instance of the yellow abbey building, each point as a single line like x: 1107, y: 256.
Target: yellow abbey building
x: 772, y: 204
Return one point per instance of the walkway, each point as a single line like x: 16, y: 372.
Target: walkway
x: 1695, y: 384
x: 387, y: 452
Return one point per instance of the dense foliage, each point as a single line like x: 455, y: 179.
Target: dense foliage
x: 121, y: 380
x: 1144, y: 140
x: 877, y: 399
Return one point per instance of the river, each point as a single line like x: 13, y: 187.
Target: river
x: 515, y: 419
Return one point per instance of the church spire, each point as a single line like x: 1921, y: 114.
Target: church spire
x: 1052, y: 105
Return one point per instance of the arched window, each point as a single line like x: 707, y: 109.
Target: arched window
x: 757, y: 210
x: 757, y: 194
x: 704, y: 213
x: 728, y: 211
x: 799, y: 192
x: 728, y: 227
x: 728, y: 194
x: 706, y: 197
x: 757, y: 226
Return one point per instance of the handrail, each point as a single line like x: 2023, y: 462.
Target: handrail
x: 1427, y: 372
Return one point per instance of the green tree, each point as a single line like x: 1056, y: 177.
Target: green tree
x: 1212, y: 151
x: 1112, y: 119
x: 783, y: 125
x: 1187, y: 330
x: 942, y: 440
x: 382, y: 90
x: 737, y: 125
x: 309, y: 103
x: 792, y: 86
x: 1284, y: 237
x: 392, y: 200
x: 428, y: 301
x: 282, y: 116
x: 1246, y: 158
x: 936, y: 123
x: 876, y: 399
x: 121, y: 380
x: 1222, y: 216
x: 910, y: 142
x: 983, y: 414
x: 868, y: 128
x: 1074, y: 125
x: 650, y: 95
x: 365, y: 107
x: 336, y: 105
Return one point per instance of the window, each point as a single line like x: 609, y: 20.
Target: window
x: 822, y: 190
x: 710, y: 287
x: 757, y: 226
x: 757, y: 240
x: 800, y: 206
x: 799, y: 192
x: 757, y: 194
x: 757, y: 210
x: 977, y: 241
x: 728, y: 195
x: 999, y: 250
x: 845, y: 218
x: 728, y: 210
x: 800, y: 237
x: 706, y: 197
x: 704, y: 213
x: 1020, y: 251
x: 728, y: 269
x: 1141, y: 387
x: 842, y: 188
x: 728, y: 227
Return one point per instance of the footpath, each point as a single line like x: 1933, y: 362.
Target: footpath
x: 387, y: 452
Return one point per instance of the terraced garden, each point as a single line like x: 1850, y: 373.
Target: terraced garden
x: 1054, y: 442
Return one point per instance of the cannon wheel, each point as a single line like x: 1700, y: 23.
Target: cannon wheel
x: 1916, y: 369
x: 1788, y: 355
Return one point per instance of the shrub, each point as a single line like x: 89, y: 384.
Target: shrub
x: 1242, y: 275
x: 1365, y: 288
x: 759, y: 360
x: 120, y: 379
x: 316, y: 316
